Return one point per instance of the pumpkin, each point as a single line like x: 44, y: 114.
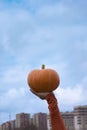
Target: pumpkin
x: 43, y: 80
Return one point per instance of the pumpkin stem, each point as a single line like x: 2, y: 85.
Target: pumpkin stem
x: 43, y: 66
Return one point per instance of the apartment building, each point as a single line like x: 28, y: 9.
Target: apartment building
x: 80, y: 117
x: 68, y: 118
x: 40, y: 121
x: 75, y: 120
x: 2, y: 126
x: 22, y: 120
x: 5, y: 126
x: 12, y: 125
x: 49, y: 126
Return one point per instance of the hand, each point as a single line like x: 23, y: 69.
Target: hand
x: 40, y: 95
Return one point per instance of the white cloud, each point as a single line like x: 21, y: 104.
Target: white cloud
x: 11, y: 102
x: 14, y: 74
x: 69, y: 97
x: 11, y: 96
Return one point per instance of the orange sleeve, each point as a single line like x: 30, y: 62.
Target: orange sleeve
x: 55, y: 116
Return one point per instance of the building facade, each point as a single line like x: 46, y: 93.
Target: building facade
x: 75, y: 120
x: 49, y: 126
x: 2, y: 126
x: 68, y: 118
x: 40, y: 121
x: 5, y: 126
x: 80, y: 117
x: 12, y: 125
x: 22, y: 120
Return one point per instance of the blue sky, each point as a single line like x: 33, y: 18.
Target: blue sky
x: 36, y: 32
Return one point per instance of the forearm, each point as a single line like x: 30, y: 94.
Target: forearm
x: 55, y: 116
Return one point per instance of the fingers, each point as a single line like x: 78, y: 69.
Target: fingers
x: 40, y: 95
x: 34, y: 92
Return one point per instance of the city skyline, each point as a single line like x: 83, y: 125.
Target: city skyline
x: 74, y: 120
x: 32, y: 114
x: 32, y: 33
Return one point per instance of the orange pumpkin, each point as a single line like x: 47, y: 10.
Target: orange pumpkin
x: 43, y: 80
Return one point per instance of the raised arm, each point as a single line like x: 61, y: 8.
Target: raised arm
x: 55, y: 115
